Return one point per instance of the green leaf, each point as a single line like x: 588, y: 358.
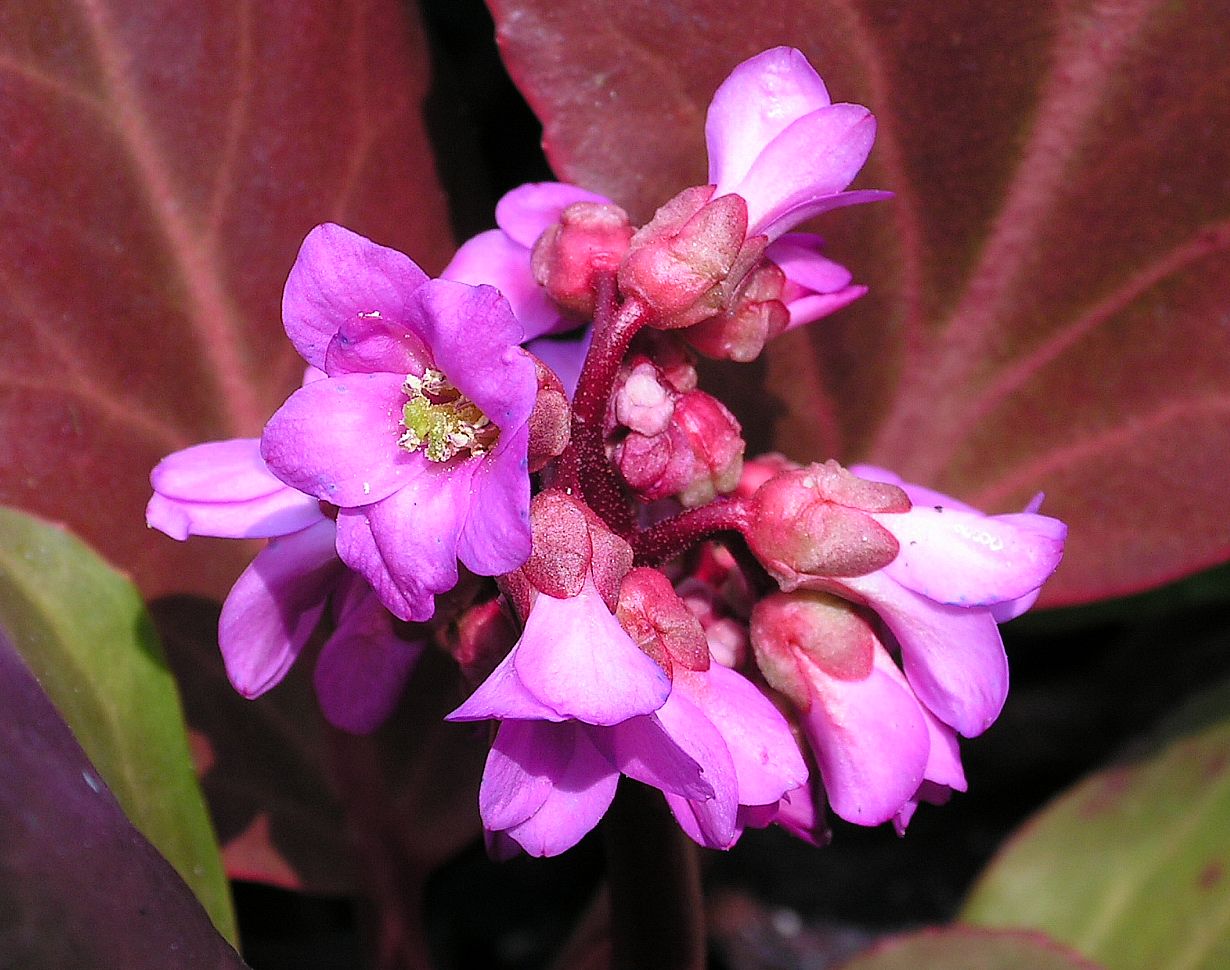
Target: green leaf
x: 84, y: 632
x: 969, y: 948
x: 1132, y: 866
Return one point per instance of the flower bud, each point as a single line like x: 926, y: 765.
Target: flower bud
x: 813, y: 523
x: 678, y: 262
x: 550, y: 421
x: 590, y: 238
x: 659, y: 622
x: 755, y: 315
x: 480, y: 639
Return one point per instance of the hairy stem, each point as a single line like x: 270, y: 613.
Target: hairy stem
x: 665, y: 540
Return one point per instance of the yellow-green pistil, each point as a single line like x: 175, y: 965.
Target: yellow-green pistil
x: 442, y: 422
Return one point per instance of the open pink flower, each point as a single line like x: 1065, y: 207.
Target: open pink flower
x: 776, y: 139
x: 418, y: 433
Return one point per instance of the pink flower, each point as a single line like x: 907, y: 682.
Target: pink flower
x: 815, y: 286
x: 223, y: 489
x: 418, y: 433
x: 776, y: 139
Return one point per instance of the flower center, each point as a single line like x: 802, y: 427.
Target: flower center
x: 442, y: 422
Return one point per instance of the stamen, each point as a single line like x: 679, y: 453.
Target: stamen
x: 441, y: 421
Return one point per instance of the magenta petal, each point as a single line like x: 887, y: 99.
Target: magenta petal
x: 809, y: 309
x: 944, y: 756
x: 766, y: 758
x: 474, y: 336
x: 274, y: 607
x: 954, y: 658
x: 576, y: 658
x: 815, y: 157
x: 496, y: 536
x: 495, y: 259
x: 1011, y: 609
x: 753, y: 105
x: 364, y: 666
x: 526, y: 211
x: 698, y: 737
x: 581, y: 793
x: 372, y: 345
x: 357, y: 548
x: 337, y: 439
x: 223, y: 488
x: 643, y: 749
x: 798, y: 256
x: 870, y: 741
x: 524, y: 761
x: 417, y: 528
x: 970, y: 559
x: 502, y: 695
x: 339, y: 275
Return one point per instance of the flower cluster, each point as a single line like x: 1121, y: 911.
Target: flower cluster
x: 754, y: 638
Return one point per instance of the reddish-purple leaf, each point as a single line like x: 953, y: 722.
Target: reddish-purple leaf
x: 1050, y: 285
x: 82, y: 888
x: 162, y: 162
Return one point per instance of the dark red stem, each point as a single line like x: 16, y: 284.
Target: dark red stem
x: 584, y: 468
x: 662, y: 542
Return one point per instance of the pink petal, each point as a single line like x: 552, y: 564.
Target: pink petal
x: 526, y: 211
x: 364, y: 666
x: 576, y: 658
x: 798, y: 256
x: 565, y: 356
x: 339, y: 275
x: 766, y: 758
x: 524, y: 761
x: 582, y: 793
x: 274, y: 607
x: 698, y: 737
x: 970, y: 559
x: 356, y: 546
x: 372, y: 345
x: 811, y: 160
x: 870, y: 741
x: 759, y: 98
x: 502, y: 695
x: 953, y: 657
x: 337, y: 439
x: 496, y: 536
x: 494, y: 258
x: 474, y: 336
x: 223, y: 488
x: 809, y: 309
x: 643, y: 749
x: 918, y: 494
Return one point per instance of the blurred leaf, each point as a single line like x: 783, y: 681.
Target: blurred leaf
x: 81, y: 887
x: 1050, y: 286
x: 968, y: 948
x: 162, y: 163
x: 300, y: 805
x: 1132, y: 865
x: 84, y: 632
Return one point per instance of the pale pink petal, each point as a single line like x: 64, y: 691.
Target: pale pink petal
x: 364, y: 666
x: 759, y: 98
x: 526, y: 211
x: 525, y: 759
x: 954, y: 658
x: 1011, y: 609
x: 870, y: 741
x: 576, y: 658
x: 800, y: 173
x: 223, y: 489
x: 766, y: 758
x: 697, y: 736
x: 809, y: 309
x: 495, y: 259
x: 643, y: 749
x: 337, y: 439
x: 502, y: 695
x: 797, y: 254
x: 274, y: 607
x: 339, y: 275
x: 970, y: 559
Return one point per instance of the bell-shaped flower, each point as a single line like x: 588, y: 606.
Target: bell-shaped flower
x: 776, y: 139
x: 418, y: 433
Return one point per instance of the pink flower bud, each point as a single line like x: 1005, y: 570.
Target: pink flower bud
x: 678, y: 262
x: 828, y: 631
x: 590, y: 238
x: 642, y: 401
x: 480, y: 639
x: 814, y: 522
x: 754, y: 316
x: 550, y: 421
x: 660, y: 623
